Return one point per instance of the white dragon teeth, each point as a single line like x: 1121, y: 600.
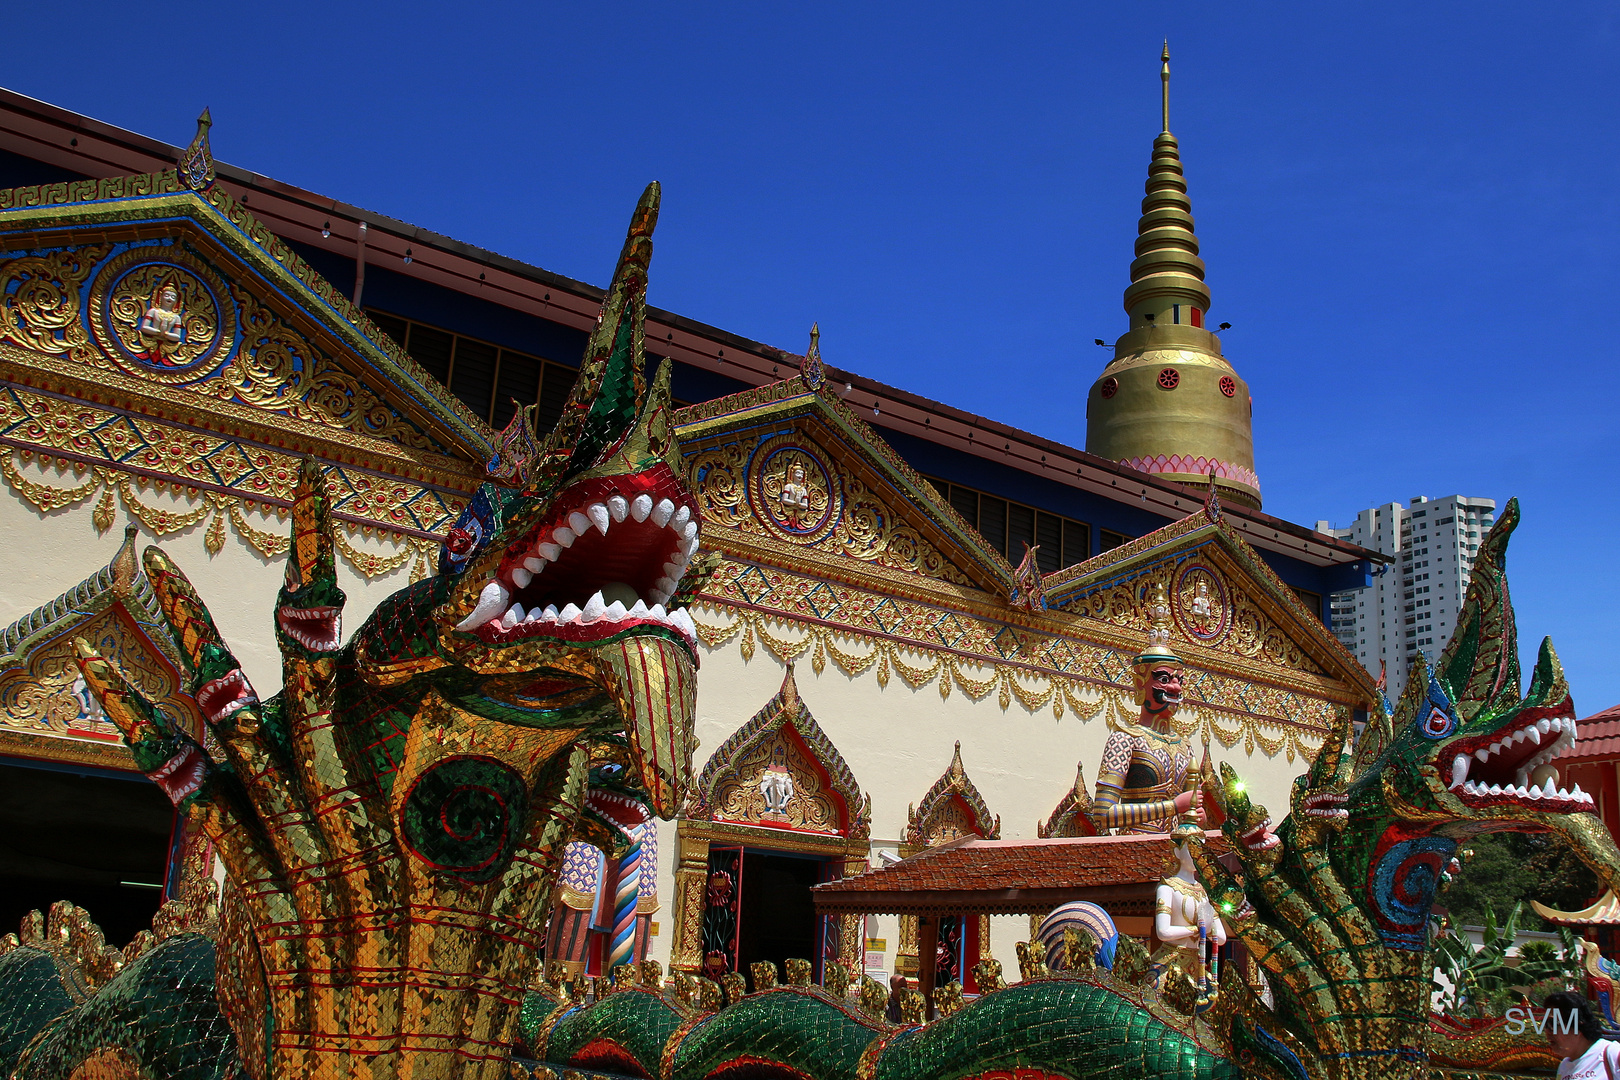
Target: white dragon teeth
x: 579, y: 522
x: 1544, y: 725
x: 521, y: 576
x: 568, y: 614
x: 680, y: 518
x: 615, y: 611
x: 1496, y: 748
x: 491, y: 603
x: 1483, y: 754
x: 640, y: 507
x: 689, y: 544
x: 665, y: 585
x: 689, y: 531
x: 657, y: 612
x: 1459, y: 770
x: 1549, y: 789
x: 673, y: 570
x: 563, y: 536
x: 598, y: 513
x: 548, y: 552
x: 661, y: 513
x: 550, y: 614
x: 534, y: 565
x: 639, y: 611
x: 595, y: 607
x: 617, y: 507
x: 1532, y: 734
x: 514, y: 615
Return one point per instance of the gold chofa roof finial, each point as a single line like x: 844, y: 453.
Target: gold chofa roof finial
x: 1164, y: 77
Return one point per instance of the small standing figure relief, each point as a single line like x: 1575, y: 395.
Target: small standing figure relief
x: 795, y: 497
x: 1202, y: 606
x: 161, y: 324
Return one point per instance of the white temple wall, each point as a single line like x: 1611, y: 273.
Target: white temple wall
x: 898, y: 740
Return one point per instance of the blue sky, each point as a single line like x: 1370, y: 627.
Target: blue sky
x: 1408, y: 211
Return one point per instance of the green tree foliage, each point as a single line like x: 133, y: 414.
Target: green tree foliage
x: 1485, y: 981
x: 1507, y: 869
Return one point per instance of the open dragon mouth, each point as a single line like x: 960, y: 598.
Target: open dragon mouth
x: 316, y: 629
x: 606, y: 562
x: 621, y: 811
x: 1513, y: 767
x: 1260, y: 838
x: 182, y: 774
x: 225, y: 696
x: 1327, y: 804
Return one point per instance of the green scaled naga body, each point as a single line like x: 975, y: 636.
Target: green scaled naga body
x: 392, y: 820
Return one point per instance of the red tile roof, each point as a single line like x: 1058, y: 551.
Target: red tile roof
x: 1006, y: 876
x: 1597, y: 738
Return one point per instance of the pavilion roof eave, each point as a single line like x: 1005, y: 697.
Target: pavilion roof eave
x: 945, y: 903
x: 1605, y: 912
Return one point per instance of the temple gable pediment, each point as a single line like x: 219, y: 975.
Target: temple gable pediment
x: 178, y: 303
x: 788, y: 474
x: 1226, y: 603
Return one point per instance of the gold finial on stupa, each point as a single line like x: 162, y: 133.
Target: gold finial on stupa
x: 1169, y: 403
x: 1164, y: 77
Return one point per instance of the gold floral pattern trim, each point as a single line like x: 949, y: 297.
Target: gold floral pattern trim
x: 221, y: 507
x: 1299, y: 733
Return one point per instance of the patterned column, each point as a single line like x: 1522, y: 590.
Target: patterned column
x: 623, y: 947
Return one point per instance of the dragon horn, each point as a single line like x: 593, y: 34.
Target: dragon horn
x: 190, y: 624
x: 1548, y: 686
x: 311, y: 559
x: 611, y: 383
x: 1480, y: 665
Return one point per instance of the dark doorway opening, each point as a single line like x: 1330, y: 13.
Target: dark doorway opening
x: 71, y: 836
x: 778, y: 916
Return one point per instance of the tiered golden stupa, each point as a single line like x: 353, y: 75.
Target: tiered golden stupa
x: 1169, y: 402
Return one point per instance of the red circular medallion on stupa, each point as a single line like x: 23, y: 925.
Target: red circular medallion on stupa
x: 1169, y: 379
x: 1228, y: 385
x: 1110, y: 387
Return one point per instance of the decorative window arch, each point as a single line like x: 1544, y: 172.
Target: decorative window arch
x: 778, y: 783
x: 951, y: 810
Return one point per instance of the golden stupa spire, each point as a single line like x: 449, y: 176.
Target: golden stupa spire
x: 1170, y: 403
x: 1167, y: 279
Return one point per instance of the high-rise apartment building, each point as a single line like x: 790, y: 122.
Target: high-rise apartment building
x: 1412, y: 604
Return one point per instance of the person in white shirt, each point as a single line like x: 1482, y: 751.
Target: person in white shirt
x: 1588, y: 1054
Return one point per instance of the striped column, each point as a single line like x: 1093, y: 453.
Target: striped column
x: 623, y: 948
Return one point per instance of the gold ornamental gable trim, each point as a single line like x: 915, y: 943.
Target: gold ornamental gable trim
x: 1297, y: 726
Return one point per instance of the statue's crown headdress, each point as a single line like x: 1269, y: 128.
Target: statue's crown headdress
x: 1158, y: 636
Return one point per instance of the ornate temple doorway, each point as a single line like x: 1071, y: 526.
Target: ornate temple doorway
x: 775, y: 810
